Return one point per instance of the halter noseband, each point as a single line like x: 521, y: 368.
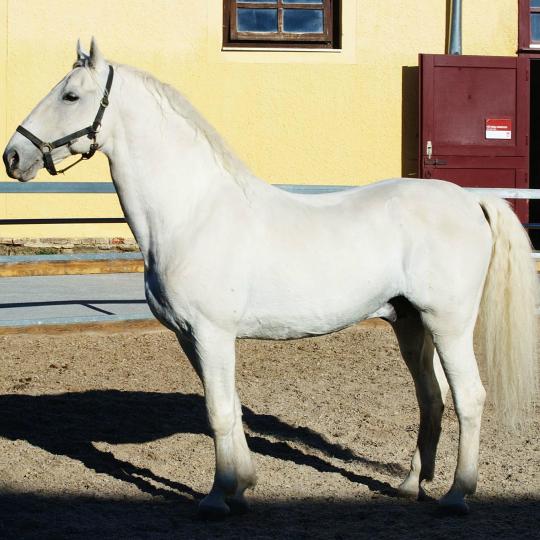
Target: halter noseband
x: 47, y: 147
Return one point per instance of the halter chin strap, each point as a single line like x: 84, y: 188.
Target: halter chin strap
x: 47, y: 147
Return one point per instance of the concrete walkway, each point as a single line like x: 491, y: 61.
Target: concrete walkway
x: 72, y: 299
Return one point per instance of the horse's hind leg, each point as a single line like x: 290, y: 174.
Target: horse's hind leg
x: 212, y: 355
x: 417, y: 349
x: 459, y: 362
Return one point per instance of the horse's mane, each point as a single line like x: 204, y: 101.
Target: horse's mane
x: 166, y: 94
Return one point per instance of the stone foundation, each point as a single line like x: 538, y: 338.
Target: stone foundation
x: 13, y: 246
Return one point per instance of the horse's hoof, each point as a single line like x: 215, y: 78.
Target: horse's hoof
x: 213, y: 509
x: 408, y: 490
x: 455, y: 505
x: 238, y: 505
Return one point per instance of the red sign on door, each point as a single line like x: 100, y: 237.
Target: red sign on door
x: 498, y: 128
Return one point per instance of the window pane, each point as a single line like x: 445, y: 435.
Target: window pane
x: 307, y: 1
x: 253, y: 1
x: 535, y: 3
x: 535, y: 27
x: 257, y: 20
x: 303, y: 21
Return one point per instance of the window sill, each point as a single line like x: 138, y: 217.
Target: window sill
x: 534, y: 48
x: 280, y: 49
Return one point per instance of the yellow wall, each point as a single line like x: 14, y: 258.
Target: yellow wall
x: 294, y: 117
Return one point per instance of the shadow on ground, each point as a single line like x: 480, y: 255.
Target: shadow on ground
x: 33, y: 516
x: 68, y: 424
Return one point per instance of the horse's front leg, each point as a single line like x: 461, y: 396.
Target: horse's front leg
x: 212, y: 354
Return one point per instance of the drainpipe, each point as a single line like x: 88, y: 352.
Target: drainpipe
x: 454, y: 38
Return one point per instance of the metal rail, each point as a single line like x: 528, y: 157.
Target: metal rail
x: 57, y: 187
x: 108, y: 188
x: 59, y: 221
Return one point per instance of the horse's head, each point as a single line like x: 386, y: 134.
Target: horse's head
x: 65, y: 122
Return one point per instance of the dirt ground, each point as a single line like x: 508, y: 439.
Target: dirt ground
x: 104, y: 436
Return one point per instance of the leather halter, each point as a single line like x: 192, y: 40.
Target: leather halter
x: 47, y: 147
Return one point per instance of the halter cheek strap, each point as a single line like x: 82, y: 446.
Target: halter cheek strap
x: 47, y: 147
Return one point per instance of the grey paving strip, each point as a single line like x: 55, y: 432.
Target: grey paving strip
x: 41, y: 300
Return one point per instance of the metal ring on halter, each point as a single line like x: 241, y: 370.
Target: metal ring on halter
x: 46, y: 148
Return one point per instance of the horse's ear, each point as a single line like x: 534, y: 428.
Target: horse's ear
x: 96, y: 59
x: 82, y: 56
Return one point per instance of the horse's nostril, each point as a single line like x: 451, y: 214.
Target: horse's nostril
x: 13, y: 159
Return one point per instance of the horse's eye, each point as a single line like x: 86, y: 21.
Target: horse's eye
x: 70, y: 96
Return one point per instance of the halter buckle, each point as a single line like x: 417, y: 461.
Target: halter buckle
x: 93, y: 149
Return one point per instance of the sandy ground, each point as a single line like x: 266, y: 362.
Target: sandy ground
x: 104, y: 436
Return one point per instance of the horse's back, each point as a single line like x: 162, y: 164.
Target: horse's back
x: 387, y: 213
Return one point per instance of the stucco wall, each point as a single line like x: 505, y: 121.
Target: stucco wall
x: 294, y: 117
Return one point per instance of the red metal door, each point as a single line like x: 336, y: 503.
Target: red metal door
x: 474, y: 121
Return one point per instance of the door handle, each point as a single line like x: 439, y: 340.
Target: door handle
x: 429, y: 149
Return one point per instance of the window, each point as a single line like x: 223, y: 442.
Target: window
x: 281, y: 23
x: 529, y: 25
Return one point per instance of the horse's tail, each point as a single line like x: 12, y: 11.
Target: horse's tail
x: 507, y: 318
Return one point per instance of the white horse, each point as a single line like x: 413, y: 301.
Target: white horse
x: 228, y: 256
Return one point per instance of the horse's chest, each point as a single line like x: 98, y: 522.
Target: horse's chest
x: 159, y: 300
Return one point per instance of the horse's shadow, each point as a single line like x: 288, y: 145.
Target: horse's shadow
x: 68, y: 424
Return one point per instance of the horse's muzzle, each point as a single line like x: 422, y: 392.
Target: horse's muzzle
x: 18, y: 168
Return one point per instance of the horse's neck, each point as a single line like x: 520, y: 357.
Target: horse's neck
x: 165, y: 172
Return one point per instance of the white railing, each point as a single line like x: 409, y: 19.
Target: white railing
x: 508, y: 193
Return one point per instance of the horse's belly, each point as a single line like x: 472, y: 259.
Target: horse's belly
x: 303, y: 312
x: 293, y: 325
x: 320, y: 287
